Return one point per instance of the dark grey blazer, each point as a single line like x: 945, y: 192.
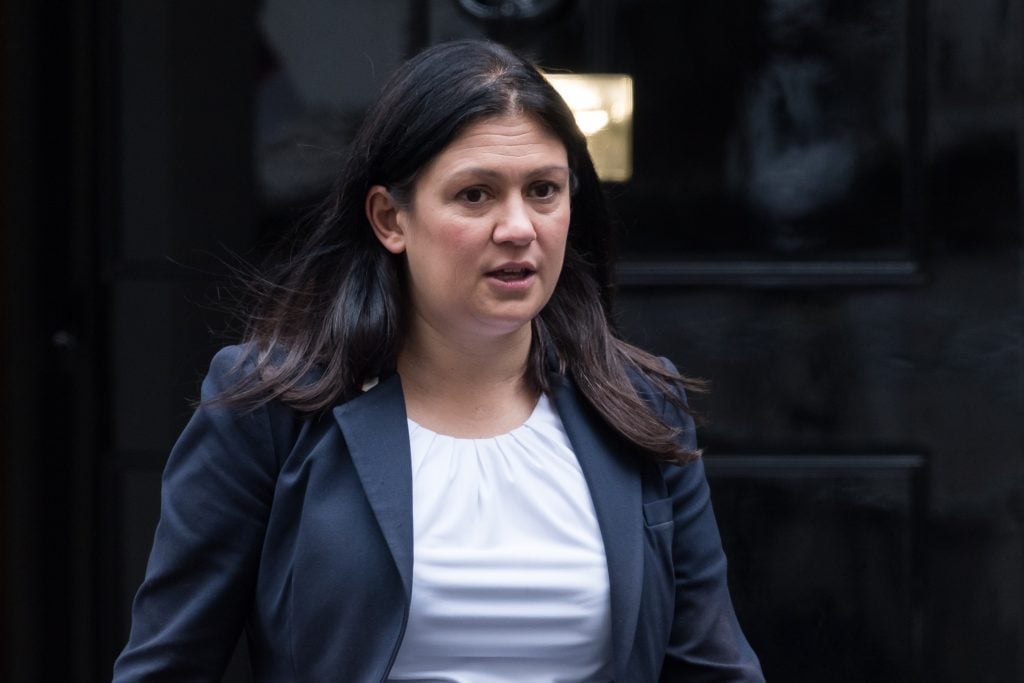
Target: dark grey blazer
x: 299, y: 530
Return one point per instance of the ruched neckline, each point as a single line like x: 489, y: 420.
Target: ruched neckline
x: 510, y: 581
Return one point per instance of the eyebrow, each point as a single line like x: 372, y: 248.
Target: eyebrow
x: 492, y: 173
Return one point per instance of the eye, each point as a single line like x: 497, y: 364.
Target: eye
x: 545, y: 189
x: 473, y: 195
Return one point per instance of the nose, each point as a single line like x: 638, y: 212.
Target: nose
x: 514, y: 223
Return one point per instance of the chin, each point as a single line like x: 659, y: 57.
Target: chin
x: 508, y: 323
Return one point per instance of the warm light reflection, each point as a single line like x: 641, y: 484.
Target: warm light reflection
x: 603, y: 107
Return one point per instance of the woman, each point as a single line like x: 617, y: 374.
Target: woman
x: 432, y: 460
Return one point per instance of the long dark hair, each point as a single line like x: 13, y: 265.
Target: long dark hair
x: 331, y: 315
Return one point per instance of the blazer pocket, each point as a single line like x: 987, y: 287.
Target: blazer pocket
x: 658, y: 512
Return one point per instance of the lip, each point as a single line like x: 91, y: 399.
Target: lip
x: 505, y: 277
x: 514, y: 265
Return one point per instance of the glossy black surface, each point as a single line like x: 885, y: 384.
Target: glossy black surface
x: 775, y: 128
x: 825, y: 563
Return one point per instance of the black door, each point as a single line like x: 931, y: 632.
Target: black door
x: 822, y: 217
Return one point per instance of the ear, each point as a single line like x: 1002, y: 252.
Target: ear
x: 382, y: 211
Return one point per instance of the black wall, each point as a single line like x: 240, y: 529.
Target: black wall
x: 863, y: 438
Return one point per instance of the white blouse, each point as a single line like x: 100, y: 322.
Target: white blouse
x: 510, y: 581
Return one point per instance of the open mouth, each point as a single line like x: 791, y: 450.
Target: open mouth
x: 511, y: 274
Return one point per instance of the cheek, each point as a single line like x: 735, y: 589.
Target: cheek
x: 442, y: 253
x: 555, y: 236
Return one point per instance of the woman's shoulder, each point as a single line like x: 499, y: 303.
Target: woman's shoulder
x: 237, y: 365
x: 227, y: 387
x: 269, y: 420
x: 239, y: 360
x: 658, y: 387
x: 666, y: 395
x: 229, y: 360
x: 229, y: 369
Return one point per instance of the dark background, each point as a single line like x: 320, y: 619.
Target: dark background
x: 825, y: 221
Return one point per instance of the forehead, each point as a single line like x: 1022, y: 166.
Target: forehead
x: 513, y: 141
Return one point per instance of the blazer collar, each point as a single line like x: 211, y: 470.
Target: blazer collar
x: 376, y: 433
x: 615, y: 487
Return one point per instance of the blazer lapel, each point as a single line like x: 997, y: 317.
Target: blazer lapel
x: 615, y: 488
x: 377, y: 435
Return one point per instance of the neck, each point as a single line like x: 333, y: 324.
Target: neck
x: 470, y: 388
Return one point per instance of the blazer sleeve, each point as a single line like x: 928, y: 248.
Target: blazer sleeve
x: 215, y: 499
x: 706, y: 643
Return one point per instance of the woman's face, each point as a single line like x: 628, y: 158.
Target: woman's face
x: 485, y: 232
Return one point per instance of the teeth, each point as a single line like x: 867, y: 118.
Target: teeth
x: 511, y: 273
